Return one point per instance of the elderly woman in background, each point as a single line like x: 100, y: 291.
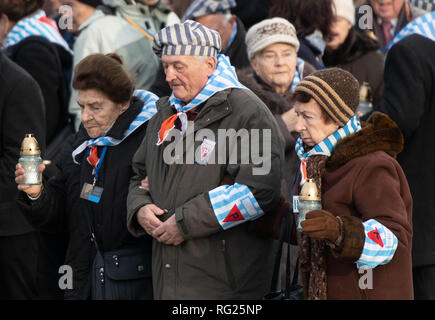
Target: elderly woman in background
x: 365, y: 226
x: 354, y: 51
x: 272, y: 49
x: 88, y: 195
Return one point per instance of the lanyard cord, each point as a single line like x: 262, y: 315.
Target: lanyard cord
x: 99, y: 164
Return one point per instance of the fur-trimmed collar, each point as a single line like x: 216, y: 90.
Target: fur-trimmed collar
x: 378, y: 133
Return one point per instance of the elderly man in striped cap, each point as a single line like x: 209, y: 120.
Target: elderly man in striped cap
x: 201, y: 203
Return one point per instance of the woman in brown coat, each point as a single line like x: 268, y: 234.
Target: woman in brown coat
x: 359, y: 245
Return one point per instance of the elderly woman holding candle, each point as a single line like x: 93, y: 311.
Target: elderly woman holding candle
x: 88, y: 195
x: 365, y: 226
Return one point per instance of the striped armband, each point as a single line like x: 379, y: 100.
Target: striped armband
x: 234, y: 204
x: 379, y: 246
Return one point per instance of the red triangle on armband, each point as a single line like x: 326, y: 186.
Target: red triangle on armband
x: 234, y: 215
x: 376, y: 237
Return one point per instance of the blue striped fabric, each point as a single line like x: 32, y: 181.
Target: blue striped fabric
x: 148, y: 111
x: 326, y: 147
x: 199, y: 8
x: 225, y: 197
x: 223, y: 78
x: 298, y: 74
x: 32, y: 26
x: 377, y: 253
x: 189, y: 38
x: 423, y: 25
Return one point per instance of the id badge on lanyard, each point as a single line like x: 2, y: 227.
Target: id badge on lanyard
x: 91, y: 192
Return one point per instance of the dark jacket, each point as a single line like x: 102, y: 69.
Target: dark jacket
x: 409, y: 99
x: 48, y: 64
x: 310, y: 53
x: 363, y: 181
x: 237, y: 53
x: 21, y: 112
x: 211, y: 263
x: 359, y: 55
x: 60, y: 206
x: 278, y: 105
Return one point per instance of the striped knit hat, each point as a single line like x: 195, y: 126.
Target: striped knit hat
x: 200, y: 8
x: 188, y: 38
x: 335, y: 90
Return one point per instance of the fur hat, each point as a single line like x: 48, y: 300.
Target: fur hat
x: 345, y: 9
x: 270, y: 31
x: 335, y: 90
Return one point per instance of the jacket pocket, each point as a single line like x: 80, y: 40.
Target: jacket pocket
x: 228, y: 266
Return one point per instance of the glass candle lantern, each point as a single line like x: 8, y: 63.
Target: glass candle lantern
x: 30, y: 159
x: 309, y: 200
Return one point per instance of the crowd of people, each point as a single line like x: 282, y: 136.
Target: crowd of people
x: 181, y: 131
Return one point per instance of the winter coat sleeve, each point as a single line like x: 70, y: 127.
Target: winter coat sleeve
x: 199, y: 217
x: 48, y: 212
x: 137, y: 197
x: 381, y: 193
x: 39, y: 60
x: 405, y: 87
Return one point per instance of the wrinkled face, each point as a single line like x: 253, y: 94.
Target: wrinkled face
x: 339, y: 31
x: 387, y: 9
x: 221, y: 23
x: 187, y: 75
x: 80, y: 12
x: 98, y: 111
x: 276, y: 65
x: 311, y: 125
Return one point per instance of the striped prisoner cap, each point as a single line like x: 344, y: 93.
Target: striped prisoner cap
x: 189, y: 38
x: 199, y: 8
x: 335, y: 90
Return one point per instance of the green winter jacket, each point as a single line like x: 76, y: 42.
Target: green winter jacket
x: 212, y: 263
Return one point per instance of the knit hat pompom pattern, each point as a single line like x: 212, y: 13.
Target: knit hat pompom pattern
x: 335, y: 90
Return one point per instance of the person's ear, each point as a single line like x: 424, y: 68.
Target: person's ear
x: 124, y: 107
x: 211, y: 64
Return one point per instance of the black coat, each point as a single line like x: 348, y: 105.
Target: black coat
x: 60, y: 205
x: 409, y: 99
x: 21, y: 112
x: 48, y: 64
x: 359, y: 55
x: 310, y: 53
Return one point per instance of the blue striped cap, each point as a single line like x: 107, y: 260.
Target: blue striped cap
x: 199, y: 8
x: 427, y: 5
x: 189, y: 38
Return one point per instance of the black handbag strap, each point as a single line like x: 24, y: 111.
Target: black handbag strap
x: 288, y: 215
x: 276, y: 267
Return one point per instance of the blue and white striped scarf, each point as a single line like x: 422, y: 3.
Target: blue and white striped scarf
x: 325, y: 147
x: 34, y: 26
x: 298, y: 74
x: 148, y: 111
x: 223, y: 77
x: 423, y: 25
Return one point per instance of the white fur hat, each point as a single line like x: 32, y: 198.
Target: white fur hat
x: 345, y: 9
